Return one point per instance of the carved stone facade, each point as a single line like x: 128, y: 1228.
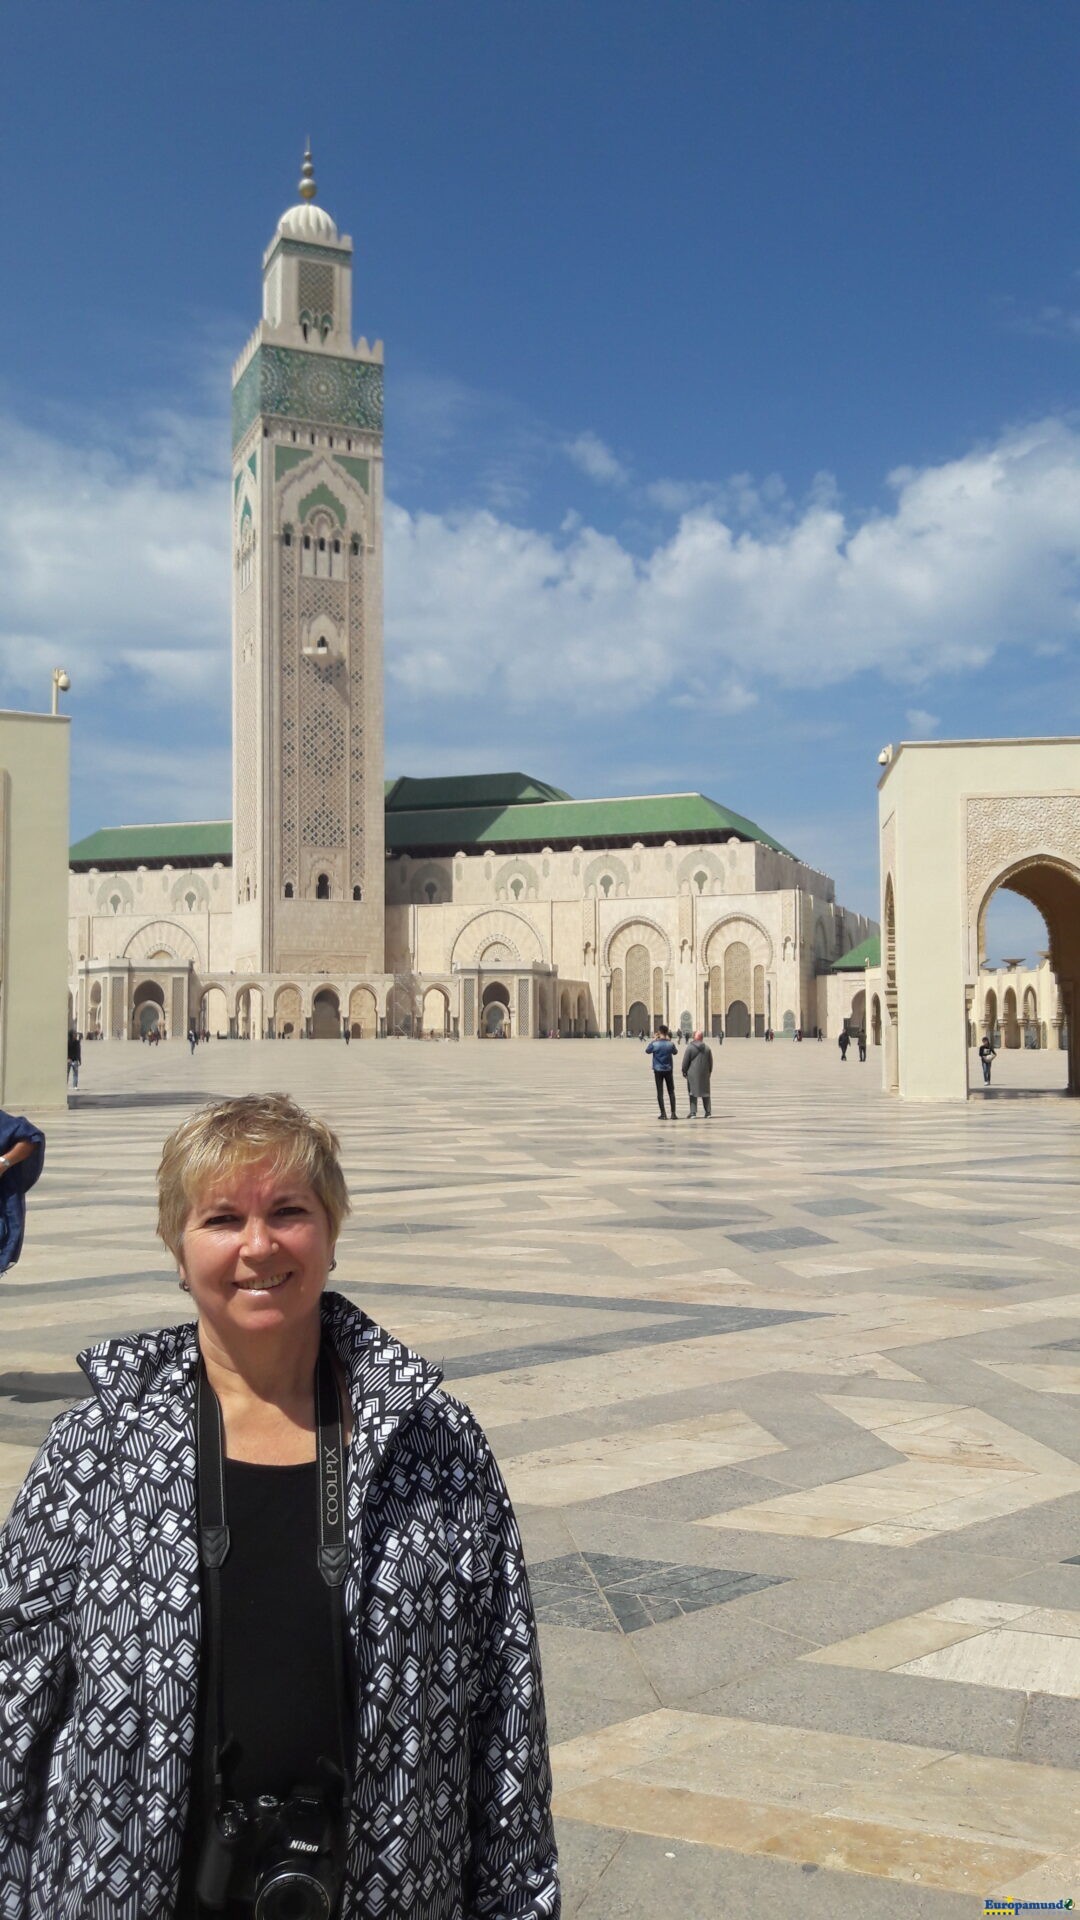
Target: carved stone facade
x: 959, y: 819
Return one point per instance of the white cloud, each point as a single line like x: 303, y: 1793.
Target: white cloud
x: 120, y: 569
x: 977, y: 553
x: 114, y: 568
x: 596, y: 459
x: 922, y: 722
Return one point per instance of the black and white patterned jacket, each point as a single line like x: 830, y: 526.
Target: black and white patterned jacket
x: 100, y: 1635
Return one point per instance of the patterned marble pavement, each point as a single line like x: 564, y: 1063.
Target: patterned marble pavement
x: 787, y: 1401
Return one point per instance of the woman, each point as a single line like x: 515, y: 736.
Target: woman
x: 192, y: 1617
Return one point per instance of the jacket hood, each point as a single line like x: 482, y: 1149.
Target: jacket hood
x: 386, y: 1379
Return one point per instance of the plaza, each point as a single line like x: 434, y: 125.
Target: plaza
x: 786, y: 1402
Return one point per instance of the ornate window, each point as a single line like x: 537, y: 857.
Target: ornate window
x: 358, y: 893
x: 288, y: 889
x: 322, y: 887
x: 321, y: 556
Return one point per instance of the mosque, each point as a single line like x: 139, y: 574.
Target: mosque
x: 337, y: 901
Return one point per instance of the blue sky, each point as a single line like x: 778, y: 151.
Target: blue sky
x: 733, y: 388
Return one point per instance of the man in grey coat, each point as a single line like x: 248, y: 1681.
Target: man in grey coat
x: 697, y: 1072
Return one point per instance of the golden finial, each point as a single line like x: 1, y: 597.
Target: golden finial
x: 308, y: 189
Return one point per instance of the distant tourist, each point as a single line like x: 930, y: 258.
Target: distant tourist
x: 986, y: 1054
x: 193, y: 1038
x: 662, y: 1048
x: 697, y: 1066
x: 74, y: 1057
x: 22, y: 1156
x: 862, y: 1043
x: 844, y: 1043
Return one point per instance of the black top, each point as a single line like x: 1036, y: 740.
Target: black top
x: 277, y: 1645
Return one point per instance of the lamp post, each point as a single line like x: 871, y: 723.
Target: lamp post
x: 61, y: 683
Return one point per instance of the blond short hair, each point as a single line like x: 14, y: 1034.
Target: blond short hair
x: 231, y: 1135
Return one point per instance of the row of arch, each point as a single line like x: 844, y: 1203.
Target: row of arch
x: 1016, y: 1022
x: 253, y: 1012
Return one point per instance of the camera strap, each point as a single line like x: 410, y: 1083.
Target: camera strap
x: 332, y: 1553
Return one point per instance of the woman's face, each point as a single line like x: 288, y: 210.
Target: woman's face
x: 256, y: 1251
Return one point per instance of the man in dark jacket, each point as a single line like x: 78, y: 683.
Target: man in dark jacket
x: 662, y: 1048
x: 697, y: 1065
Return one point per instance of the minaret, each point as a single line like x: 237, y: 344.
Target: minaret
x: 308, y: 858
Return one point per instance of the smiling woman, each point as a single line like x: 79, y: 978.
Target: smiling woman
x: 315, y: 1714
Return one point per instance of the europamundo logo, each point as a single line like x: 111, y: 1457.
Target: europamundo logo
x: 1009, y: 1906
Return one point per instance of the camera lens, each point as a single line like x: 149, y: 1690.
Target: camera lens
x: 292, y: 1897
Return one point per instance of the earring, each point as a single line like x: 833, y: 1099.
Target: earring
x: 333, y: 1265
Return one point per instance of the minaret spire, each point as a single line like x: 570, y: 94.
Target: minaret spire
x: 307, y: 188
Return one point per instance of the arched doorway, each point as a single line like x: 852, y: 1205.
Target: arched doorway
x: 637, y: 1020
x: 716, y: 1002
x: 495, y: 1006
x: 326, y: 1015
x: 147, y: 1010
x: 1047, y: 924
x: 857, y: 1020
x: 990, y: 1018
x: 582, y: 1016
x: 363, y: 1014
x: 249, y: 1013
x: 287, y: 1013
x: 93, y: 1018
x: 436, y: 1012
x: 214, y: 1012
x: 738, y: 1020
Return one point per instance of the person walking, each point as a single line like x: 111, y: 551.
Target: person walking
x: 22, y: 1156
x: 662, y: 1048
x: 844, y: 1044
x: 296, y: 1662
x: 862, y: 1043
x: 987, y: 1053
x: 74, y: 1058
x: 193, y: 1038
x: 697, y: 1066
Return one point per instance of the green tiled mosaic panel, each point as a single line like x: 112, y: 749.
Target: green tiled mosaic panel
x: 283, y: 382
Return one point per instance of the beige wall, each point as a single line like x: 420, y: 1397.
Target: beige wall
x: 575, y: 911
x: 34, y: 887
x: 957, y: 818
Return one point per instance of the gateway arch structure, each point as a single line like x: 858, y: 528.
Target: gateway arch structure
x: 959, y: 819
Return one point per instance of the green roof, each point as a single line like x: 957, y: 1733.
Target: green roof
x: 866, y: 954
x: 467, y: 790
x: 655, y: 817
x: 502, y: 810
x: 185, y: 843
